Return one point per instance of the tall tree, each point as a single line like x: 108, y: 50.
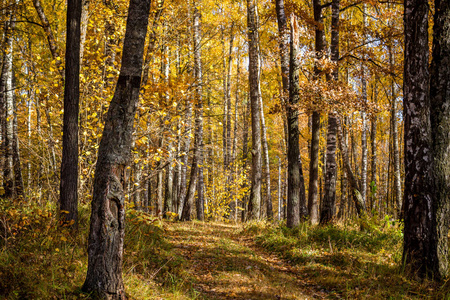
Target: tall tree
x: 329, y: 197
x: 293, y: 199
x: 69, y: 165
x: 418, y: 193
x: 106, y: 234
x: 313, y: 205
x: 198, y: 150
x: 254, y: 209
x: 440, y: 126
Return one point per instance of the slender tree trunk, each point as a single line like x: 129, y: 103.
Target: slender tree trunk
x: 245, y: 198
x: 313, y: 205
x: 329, y: 200
x: 69, y: 165
x: 107, y: 230
x: 418, y: 195
x: 268, y: 200
x: 168, y: 199
x: 293, y: 199
x: 198, y: 150
x: 440, y: 126
x: 364, y: 120
x: 254, y: 209
x: 395, y: 147
x: 7, y: 94
x: 373, y: 138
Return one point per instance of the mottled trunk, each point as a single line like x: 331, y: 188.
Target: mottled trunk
x: 168, y: 198
x: 373, y: 140
x: 283, y: 33
x: 83, y: 26
x: 107, y: 230
x: 418, y: 195
x: 364, y: 120
x: 245, y: 198
x: 268, y: 199
x: 440, y: 126
x: 293, y: 199
x: 254, y: 205
x: 198, y: 148
x: 395, y: 145
x: 329, y: 199
x: 197, y: 37
x: 7, y: 94
x: 69, y: 164
x: 280, y: 200
x: 313, y: 205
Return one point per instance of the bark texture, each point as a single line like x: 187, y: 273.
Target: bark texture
x: 440, y: 127
x: 293, y: 199
x: 69, y: 165
x: 254, y: 206
x: 106, y: 235
x: 329, y: 198
x: 313, y: 205
x: 418, y: 194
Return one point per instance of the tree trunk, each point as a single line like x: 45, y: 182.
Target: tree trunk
x: 373, y: 138
x: 440, y: 126
x: 254, y: 206
x: 198, y: 150
x: 418, y: 195
x: 395, y: 146
x: 268, y: 200
x: 329, y: 200
x: 353, y: 183
x: 69, y: 165
x: 168, y: 199
x: 313, y: 205
x: 106, y: 235
x: 293, y: 199
x: 7, y: 94
x: 364, y: 120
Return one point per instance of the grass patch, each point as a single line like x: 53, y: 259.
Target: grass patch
x: 40, y: 260
x: 345, y: 262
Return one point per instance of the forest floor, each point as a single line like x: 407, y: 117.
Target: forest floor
x: 225, y: 264
x: 209, y: 260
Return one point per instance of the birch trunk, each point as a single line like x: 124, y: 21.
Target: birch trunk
x: 440, y: 126
x: 254, y: 206
x: 418, y: 195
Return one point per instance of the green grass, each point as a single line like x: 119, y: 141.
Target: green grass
x: 346, y: 262
x: 39, y: 260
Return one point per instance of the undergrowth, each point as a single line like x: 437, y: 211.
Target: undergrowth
x: 41, y: 260
x: 346, y: 262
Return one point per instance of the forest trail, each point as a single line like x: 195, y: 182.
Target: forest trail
x: 227, y: 265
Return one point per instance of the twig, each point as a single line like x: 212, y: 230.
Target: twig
x: 157, y: 271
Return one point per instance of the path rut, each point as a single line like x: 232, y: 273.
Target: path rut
x: 225, y: 264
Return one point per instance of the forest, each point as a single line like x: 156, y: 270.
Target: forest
x: 200, y: 149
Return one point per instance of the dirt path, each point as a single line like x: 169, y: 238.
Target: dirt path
x: 227, y: 265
